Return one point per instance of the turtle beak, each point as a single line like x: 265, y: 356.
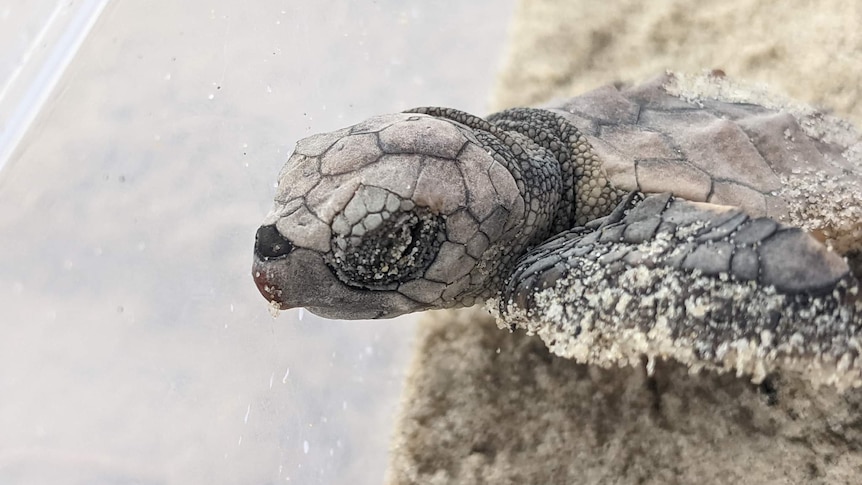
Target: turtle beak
x: 290, y: 277
x: 265, y: 286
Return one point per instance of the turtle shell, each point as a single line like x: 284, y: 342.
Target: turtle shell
x: 708, y: 139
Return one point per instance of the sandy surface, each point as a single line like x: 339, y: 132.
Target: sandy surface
x: 811, y: 51
x: 487, y: 406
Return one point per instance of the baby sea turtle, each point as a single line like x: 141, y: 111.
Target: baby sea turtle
x: 683, y: 218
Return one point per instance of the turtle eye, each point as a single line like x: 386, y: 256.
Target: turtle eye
x: 379, y: 249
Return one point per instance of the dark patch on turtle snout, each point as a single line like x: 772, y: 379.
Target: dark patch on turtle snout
x: 265, y: 286
x: 270, y: 244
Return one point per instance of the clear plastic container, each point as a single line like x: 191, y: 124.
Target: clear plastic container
x: 134, y: 347
x: 37, y: 42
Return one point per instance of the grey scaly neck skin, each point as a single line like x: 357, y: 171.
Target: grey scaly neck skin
x: 559, y: 177
x: 586, y: 194
x: 538, y: 176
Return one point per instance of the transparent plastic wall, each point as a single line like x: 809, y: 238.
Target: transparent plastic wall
x: 141, y: 141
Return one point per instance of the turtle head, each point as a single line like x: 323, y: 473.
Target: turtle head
x: 398, y: 214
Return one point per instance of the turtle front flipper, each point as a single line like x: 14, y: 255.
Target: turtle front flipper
x: 700, y: 283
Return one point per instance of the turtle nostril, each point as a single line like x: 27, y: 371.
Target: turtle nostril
x: 270, y: 244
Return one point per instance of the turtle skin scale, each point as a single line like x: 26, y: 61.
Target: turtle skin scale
x: 624, y: 225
